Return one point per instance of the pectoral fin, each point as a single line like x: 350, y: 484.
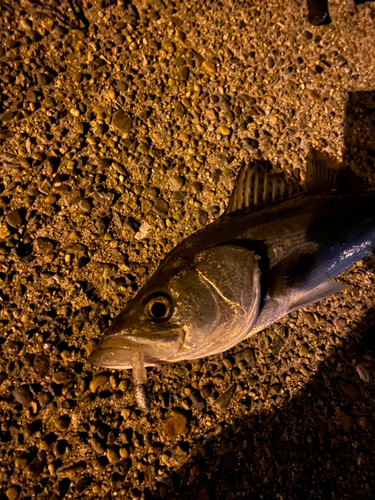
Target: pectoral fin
x: 319, y: 293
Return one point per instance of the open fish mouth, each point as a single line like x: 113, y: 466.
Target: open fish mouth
x: 116, y: 351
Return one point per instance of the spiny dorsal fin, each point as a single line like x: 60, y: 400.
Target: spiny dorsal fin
x: 256, y: 186
x: 323, y: 173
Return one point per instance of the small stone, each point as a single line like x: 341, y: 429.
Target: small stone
x: 184, y: 73
x: 12, y: 493
x: 75, y: 112
x: 245, y: 356
x: 307, y: 35
x: 121, y: 86
x: 176, y: 182
x: 20, y: 462
x: 209, y: 66
x: 363, y: 373
x: 313, y: 95
x: 273, y: 120
x: 112, y: 456
x: 122, y: 121
x: 14, y: 219
x: 62, y: 423
x: 347, y: 422
x: 59, y: 448
x: 125, y: 413
x: 161, y: 206
x: 168, y: 46
x: 198, y: 402
x: 44, y: 246
x: 98, y: 381
x: 97, y: 446
x: 223, y: 401
x: 196, y: 187
x: 74, y: 470
x: 85, y: 205
x: 123, y: 385
x: 184, y: 138
x: 76, y: 249
x: 341, y: 61
x: 303, y: 350
x: 310, y: 319
x: 228, y: 363
x: 4, y: 231
x: 175, y: 425
x: 225, y: 130
x: 61, y: 377
x: 270, y: 62
x: 22, y: 395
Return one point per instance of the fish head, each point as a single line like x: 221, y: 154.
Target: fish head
x: 189, y: 309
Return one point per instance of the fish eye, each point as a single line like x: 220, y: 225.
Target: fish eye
x: 159, y: 307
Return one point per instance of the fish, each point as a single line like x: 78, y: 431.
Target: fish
x: 277, y: 248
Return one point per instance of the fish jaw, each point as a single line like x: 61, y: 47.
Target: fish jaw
x: 117, y: 350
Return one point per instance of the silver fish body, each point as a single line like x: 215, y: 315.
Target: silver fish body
x: 240, y: 274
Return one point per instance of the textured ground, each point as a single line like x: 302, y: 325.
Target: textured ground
x: 123, y: 125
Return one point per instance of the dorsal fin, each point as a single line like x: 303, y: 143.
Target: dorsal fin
x: 255, y: 186
x: 322, y: 174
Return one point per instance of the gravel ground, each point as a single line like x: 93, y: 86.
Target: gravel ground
x: 122, y: 127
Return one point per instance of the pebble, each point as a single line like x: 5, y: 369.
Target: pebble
x: 245, y: 355
x: 62, y: 423
x: 209, y: 66
x: 176, y: 182
x: 313, y: 95
x: 168, y: 46
x: 4, y: 231
x: 161, y: 206
x: 59, y: 448
x: 97, y: 446
x: 122, y: 121
x: 363, y: 373
x: 14, y: 219
x: 184, y: 138
x: 224, y: 399
x: 347, y: 422
x: 225, y: 130
x: 85, y: 205
x: 12, y: 493
x: 198, y: 402
x: 112, y: 456
x: 307, y: 35
x: 20, y: 462
x: 76, y: 249
x: 184, y: 73
x: 271, y: 62
x: 98, y: 381
x: 341, y: 61
x: 22, y: 395
x: 175, y: 425
x: 61, y: 377
x: 44, y: 246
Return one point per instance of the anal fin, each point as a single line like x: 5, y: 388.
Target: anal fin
x: 319, y: 293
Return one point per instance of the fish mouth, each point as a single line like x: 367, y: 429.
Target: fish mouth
x: 117, y: 351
